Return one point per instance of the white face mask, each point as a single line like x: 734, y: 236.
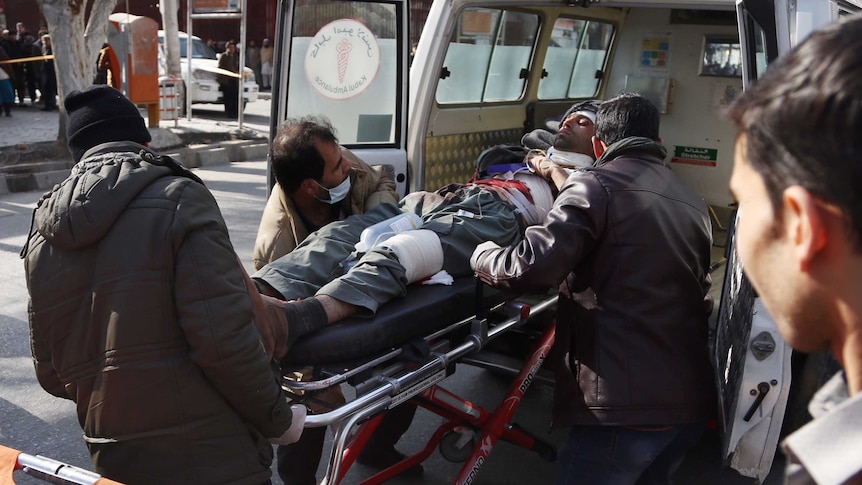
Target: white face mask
x: 337, y: 193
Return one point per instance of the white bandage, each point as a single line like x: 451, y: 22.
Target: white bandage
x: 419, y: 251
x: 543, y: 199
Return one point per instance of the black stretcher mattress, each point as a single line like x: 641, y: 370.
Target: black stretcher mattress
x: 423, y: 310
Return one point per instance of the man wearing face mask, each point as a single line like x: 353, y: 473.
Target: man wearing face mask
x: 318, y: 182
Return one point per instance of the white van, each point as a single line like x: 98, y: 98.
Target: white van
x: 486, y: 72
x: 204, y: 84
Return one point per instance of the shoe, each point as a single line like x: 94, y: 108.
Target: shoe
x: 385, y: 458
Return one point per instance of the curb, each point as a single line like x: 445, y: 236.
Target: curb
x: 45, y: 175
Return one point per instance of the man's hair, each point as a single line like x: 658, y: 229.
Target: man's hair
x: 294, y: 156
x: 801, y: 121
x: 626, y: 115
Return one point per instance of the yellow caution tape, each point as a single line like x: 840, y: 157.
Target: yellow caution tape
x: 28, y: 59
x: 218, y: 70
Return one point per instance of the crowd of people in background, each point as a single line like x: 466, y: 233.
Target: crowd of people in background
x: 22, y: 79
x: 33, y: 83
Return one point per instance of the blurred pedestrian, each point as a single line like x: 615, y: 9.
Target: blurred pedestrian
x: 13, y: 49
x: 49, y: 76
x: 266, y: 54
x: 32, y: 69
x: 252, y: 59
x: 7, y: 92
x: 102, y: 66
x: 229, y: 61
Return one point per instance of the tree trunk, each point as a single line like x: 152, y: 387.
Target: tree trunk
x: 75, y: 55
x: 171, y: 27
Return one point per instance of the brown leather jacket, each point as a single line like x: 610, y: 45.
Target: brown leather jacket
x: 139, y: 313
x: 281, y: 228
x: 629, y: 245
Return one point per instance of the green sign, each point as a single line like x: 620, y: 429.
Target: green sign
x: 695, y: 155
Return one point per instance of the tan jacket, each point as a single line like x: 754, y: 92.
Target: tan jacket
x: 281, y: 228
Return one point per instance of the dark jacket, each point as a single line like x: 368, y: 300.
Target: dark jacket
x: 228, y: 63
x: 630, y: 244
x: 139, y: 314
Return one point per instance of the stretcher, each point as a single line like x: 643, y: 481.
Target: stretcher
x: 401, y: 355
x: 45, y: 469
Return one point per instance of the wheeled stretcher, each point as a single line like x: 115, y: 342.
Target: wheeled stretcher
x: 402, y: 353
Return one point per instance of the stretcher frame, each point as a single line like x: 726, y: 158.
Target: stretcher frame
x: 48, y: 470
x: 465, y: 421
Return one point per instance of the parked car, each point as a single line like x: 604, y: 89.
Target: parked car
x: 204, y: 87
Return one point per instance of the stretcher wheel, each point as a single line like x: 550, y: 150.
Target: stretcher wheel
x: 457, y: 444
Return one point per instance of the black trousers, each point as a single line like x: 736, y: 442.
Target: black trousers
x: 230, y: 90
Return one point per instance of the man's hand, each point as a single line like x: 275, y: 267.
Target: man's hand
x: 541, y: 165
x: 269, y: 318
x: 485, y: 246
x: 292, y: 434
x: 271, y: 321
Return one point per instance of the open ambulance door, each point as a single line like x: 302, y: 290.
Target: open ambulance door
x: 753, y: 361
x: 346, y: 61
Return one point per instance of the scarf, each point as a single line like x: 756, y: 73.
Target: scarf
x: 637, y: 144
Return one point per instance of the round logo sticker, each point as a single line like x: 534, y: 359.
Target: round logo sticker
x: 343, y: 59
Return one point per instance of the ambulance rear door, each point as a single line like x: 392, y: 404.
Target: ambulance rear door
x: 752, y: 359
x: 346, y: 61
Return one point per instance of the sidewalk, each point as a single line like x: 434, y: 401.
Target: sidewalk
x: 31, y: 158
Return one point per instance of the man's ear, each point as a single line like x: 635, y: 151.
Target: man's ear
x: 599, y: 147
x: 308, y: 187
x: 806, y: 223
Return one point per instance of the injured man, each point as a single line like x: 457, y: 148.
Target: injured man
x: 330, y: 276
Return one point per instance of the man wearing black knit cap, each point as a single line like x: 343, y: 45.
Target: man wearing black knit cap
x: 142, y: 315
x: 102, y: 115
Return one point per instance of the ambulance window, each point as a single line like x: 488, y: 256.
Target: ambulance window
x: 488, y: 56
x: 721, y: 57
x: 345, y: 66
x: 760, y: 51
x: 576, y: 56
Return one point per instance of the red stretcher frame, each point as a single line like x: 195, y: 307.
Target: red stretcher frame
x: 419, y: 386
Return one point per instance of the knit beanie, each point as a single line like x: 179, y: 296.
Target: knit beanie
x: 588, y: 108
x: 101, y: 114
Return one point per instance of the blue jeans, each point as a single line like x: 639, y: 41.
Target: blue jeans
x: 617, y: 455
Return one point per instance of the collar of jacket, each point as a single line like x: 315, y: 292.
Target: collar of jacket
x: 91, y: 156
x: 632, y: 145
